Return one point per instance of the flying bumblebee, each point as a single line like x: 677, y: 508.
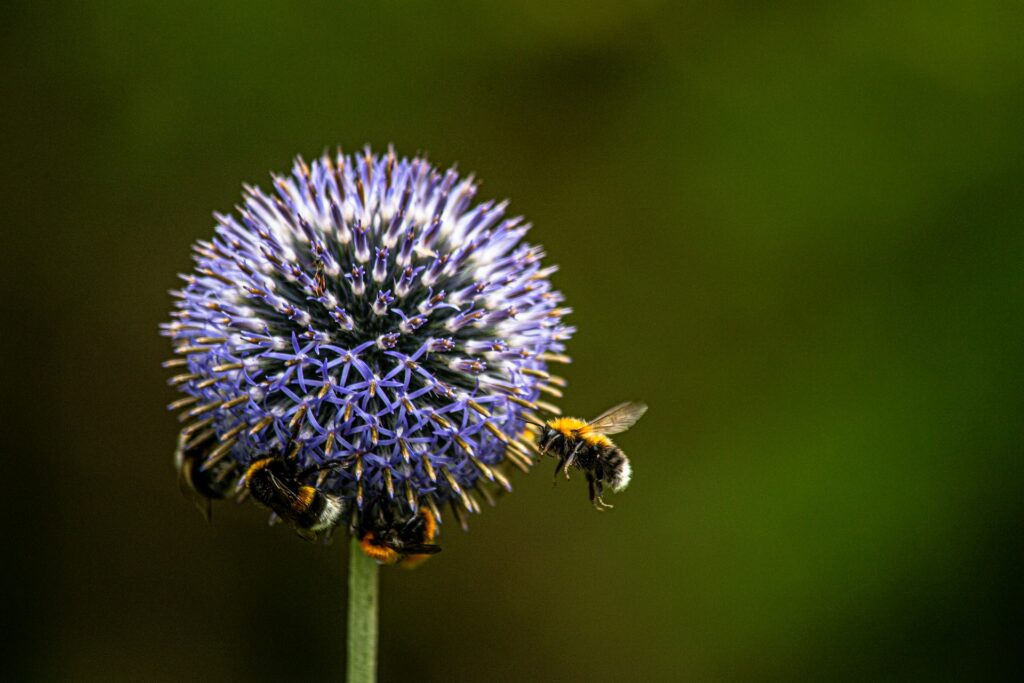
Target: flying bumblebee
x: 276, y: 483
x: 202, y: 486
x: 586, y: 446
x: 406, y: 543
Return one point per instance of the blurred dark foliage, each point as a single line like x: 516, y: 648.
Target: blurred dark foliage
x: 795, y: 231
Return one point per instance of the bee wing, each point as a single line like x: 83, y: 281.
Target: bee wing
x: 282, y: 492
x: 619, y: 418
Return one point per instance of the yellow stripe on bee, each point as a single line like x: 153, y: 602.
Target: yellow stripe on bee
x: 429, y: 526
x: 573, y: 428
x: 381, y: 553
x: 255, y: 467
x: 305, y: 498
x: 568, y: 426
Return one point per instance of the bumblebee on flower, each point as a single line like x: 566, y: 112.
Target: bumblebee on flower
x: 365, y: 342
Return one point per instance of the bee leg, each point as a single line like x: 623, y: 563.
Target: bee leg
x: 568, y: 463
x: 306, y: 534
x: 558, y: 467
x: 596, y: 491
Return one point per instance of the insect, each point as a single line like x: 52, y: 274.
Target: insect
x: 202, y: 485
x: 276, y: 483
x: 585, y: 445
x: 406, y: 543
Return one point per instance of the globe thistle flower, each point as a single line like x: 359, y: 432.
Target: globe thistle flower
x: 373, y: 323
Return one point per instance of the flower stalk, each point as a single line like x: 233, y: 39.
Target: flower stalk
x: 362, y: 616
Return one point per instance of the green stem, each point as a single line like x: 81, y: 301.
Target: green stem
x: 362, y: 616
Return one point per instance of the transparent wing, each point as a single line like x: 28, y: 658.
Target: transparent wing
x: 283, y: 493
x: 618, y: 419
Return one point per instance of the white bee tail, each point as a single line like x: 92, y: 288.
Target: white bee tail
x: 622, y: 477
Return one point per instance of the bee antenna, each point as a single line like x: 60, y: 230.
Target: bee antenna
x: 536, y: 424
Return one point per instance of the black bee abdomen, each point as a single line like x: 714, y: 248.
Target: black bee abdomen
x: 612, y: 461
x: 212, y: 483
x: 206, y: 484
x: 261, y: 486
x: 588, y: 456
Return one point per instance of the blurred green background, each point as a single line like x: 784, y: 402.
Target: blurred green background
x: 796, y: 231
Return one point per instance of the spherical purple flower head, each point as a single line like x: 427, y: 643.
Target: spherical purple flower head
x: 367, y: 314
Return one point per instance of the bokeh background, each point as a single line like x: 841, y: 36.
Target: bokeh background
x: 796, y: 231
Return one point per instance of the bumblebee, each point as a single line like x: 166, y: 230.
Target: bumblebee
x: 406, y: 543
x: 276, y: 483
x: 586, y: 446
x: 202, y: 486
